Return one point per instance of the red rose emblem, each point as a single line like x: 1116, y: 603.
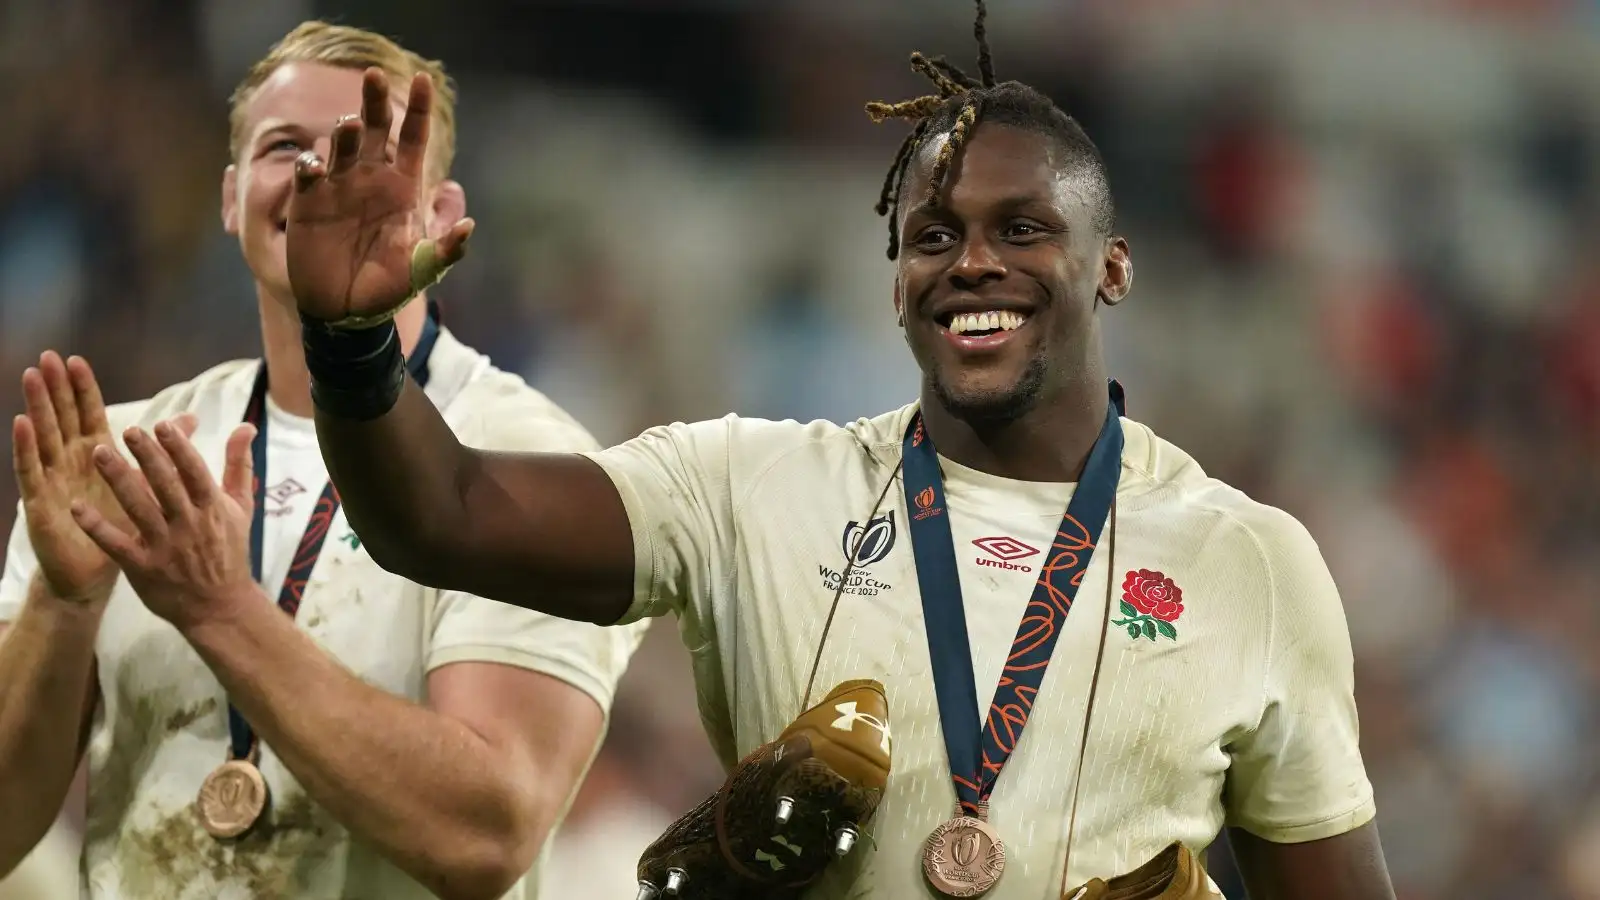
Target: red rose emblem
x: 1153, y: 594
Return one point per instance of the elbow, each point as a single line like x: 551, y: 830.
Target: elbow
x: 487, y: 864
x: 404, y: 556
x: 410, y: 544
x: 485, y: 877
x: 415, y: 551
x: 484, y: 871
x: 17, y: 841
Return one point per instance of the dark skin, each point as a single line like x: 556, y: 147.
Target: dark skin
x: 1011, y: 232
x: 549, y: 531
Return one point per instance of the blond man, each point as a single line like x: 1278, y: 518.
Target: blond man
x: 266, y: 712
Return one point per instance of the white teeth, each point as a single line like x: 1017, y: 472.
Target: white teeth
x: 1002, y: 320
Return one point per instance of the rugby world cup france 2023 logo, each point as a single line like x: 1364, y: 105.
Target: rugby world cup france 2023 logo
x: 869, y: 543
x: 863, y: 546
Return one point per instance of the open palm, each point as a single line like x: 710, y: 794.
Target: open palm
x: 53, y: 455
x: 354, y: 227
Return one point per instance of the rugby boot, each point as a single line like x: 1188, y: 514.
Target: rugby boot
x: 1174, y: 874
x: 790, y: 808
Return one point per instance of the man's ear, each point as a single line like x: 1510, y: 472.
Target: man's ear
x: 230, y: 200
x: 446, y: 207
x: 1116, y: 280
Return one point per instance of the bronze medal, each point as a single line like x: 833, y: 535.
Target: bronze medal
x: 963, y: 857
x: 232, y: 799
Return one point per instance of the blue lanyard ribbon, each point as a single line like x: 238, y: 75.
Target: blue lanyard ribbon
x: 309, y: 550
x: 977, y: 752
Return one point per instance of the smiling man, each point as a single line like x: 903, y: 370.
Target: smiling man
x: 316, y: 727
x: 1009, y: 523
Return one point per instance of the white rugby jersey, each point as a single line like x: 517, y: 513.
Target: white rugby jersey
x: 162, y: 723
x: 1226, y: 696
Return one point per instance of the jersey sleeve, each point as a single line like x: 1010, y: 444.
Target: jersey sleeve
x: 677, y: 489
x: 591, y: 658
x: 1298, y: 776
x: 19, y: 568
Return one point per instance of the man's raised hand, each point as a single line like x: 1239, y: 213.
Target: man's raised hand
x: 357, y: 244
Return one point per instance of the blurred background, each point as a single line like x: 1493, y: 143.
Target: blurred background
x: 1368, y: 292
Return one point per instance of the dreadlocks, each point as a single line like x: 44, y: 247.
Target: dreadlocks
x: 958, y: 106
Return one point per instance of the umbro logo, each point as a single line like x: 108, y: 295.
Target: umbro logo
x: 279, y: 496
x: 1003, y: 553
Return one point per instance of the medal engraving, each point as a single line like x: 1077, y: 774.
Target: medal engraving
x: 963, y: 857
x: 232, y: 799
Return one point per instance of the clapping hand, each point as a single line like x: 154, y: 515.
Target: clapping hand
x: 181, y: 538
x: 53, y: 449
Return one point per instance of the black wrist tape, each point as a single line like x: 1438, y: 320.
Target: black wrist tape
x: 356, y: 374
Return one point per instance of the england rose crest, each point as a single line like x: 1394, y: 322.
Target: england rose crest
x: 1151, y: 602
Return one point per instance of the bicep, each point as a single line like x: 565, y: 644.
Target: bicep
x: 546, y: 729
x: 543, y: 530
x: 1297, y: 774
x: 1348, y: 866
x: 612, y: 536
x: 546, y: 531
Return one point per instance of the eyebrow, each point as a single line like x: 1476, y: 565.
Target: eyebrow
x: 1019, y: 201
x: 278, y: 128
x: 1009, y: 204
x: 292, y: 129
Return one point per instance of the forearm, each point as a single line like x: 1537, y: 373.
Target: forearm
x: 425, y: 790
x: 399, y: 482
x: 46, y: 670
